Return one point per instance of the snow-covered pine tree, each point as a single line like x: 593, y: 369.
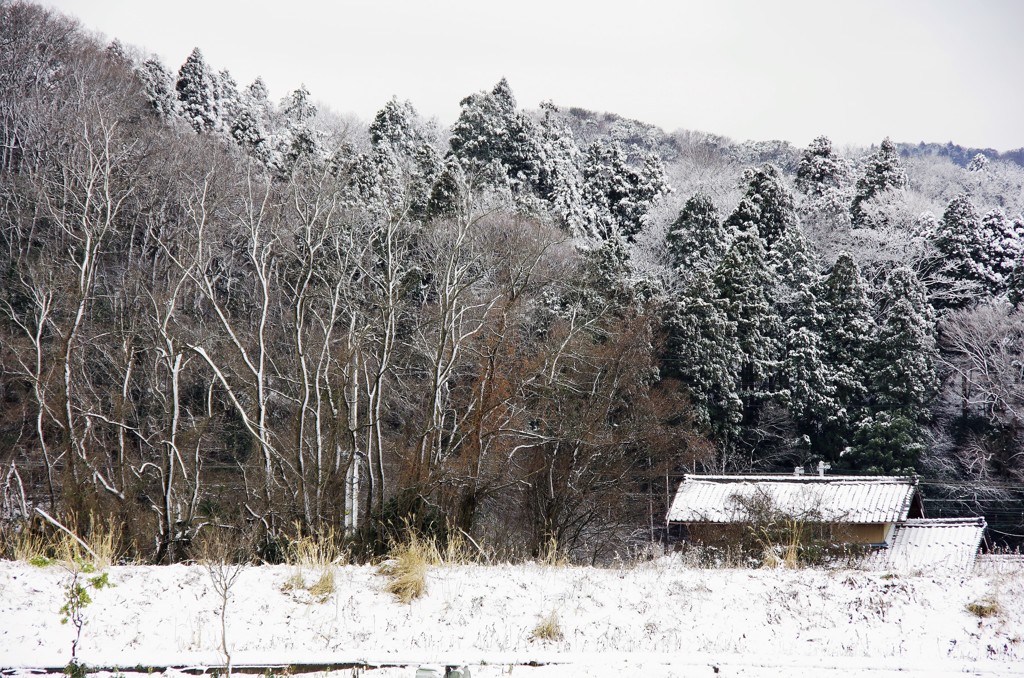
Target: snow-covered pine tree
x: 616, y: 196
x: 1003, y: 249
x: 847, y: 334
x: 979, y: 163
x: 697, y: 239
x: 561, y: 178
x: 257, y: 96
x: 490, y: 129
x: 745, y: 284
x: 767, y: 206
x: 404, y: 151
x: 227, y: 100
x: 885, y: 443
x: 158, y: 85
x: 962, y: 249
x: 904, y: 355
x: 301, y: 140
x: 195, y: 88
x: 809, y: 385
x: 249, y: 128
x: 820, y: 170
x: 449, y: 190
x: 883, y: 171
x: 703, y: 353
x: 794, y: 267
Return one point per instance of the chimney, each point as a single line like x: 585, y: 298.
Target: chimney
x: 822, y: 467
x: 798, y: 471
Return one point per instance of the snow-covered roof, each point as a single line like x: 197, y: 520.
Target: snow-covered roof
x: 950, y: 544
x: 847, y: 499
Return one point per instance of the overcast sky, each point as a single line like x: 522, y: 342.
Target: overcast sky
x: 857, y: 71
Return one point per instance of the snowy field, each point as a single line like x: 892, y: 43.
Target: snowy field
x: 658, y: 619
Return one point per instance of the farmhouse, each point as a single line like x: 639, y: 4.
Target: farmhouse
x: 883, y: 514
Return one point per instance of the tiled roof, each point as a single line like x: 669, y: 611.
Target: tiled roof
x: 944, y: 543
x: 848, y: 499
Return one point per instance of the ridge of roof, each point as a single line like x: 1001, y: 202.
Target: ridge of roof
x: 809, y: 478
x: 943, y: 522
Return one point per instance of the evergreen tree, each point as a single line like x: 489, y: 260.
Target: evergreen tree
x: 847, y: 331
x: 697, y: 239
x: 820, y: 170
x: 227, y: 100
x: 1002, y: 248
x: 490, y: 129
x: 195, y: 88
x: 744, y: 283
x: 158, y: 86
x: 885, y: 443
x: 794, y: 267
x: 616, y: 197
x: 118, y: 54
x: 979, y: 163
x: 961, y: 248
x: 257, y: 97
x: 449, y: 190
x: 301, y: 140
x: 249, y: 126
x: 903, y: 377
x: 883, y: 171
x: 767, y: 207
x: 1015, y: 285
x: 561, y: 179
x: 703, y: 353
x: 404, y: 154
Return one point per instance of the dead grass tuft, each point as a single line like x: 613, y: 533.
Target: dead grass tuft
x: 548, y: 628
x: 983, y: 609
x: 407, y: 567
x: 324, y: 586
x: 318, y: 554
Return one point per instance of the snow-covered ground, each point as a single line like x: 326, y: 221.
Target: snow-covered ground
x: 656, y: 619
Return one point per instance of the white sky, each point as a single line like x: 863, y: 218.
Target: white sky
x: 855, y: 70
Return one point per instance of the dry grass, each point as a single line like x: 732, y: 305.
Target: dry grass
x: 317, y: 554
x: 548, y: 628
x: 553, y: 556
x: 983, y: 609
x: 99, y: 549
x: 324, y: 586
x: 311, y: 552
x: 105, y: 542
x: 407, y: 567
x: 27, y: 545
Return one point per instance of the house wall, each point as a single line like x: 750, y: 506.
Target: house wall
x: 870, y: 533
x: 724, y: 534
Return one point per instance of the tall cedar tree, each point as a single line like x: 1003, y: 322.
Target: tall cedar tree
x: 847, y: 332
x: 820, y: 170
x: 490, y: 129
x: 195, y: 89
x: 697, y: 239
x: 883, y: 171
x: 703, y: 353
x: 617, y: 196
x: 745, y: 285
x: 767, y: 207
x: 904, y: 356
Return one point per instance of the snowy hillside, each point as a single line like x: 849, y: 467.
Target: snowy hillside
x: 663, y: 618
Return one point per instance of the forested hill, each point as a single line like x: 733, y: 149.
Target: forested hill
x: 216, y: 309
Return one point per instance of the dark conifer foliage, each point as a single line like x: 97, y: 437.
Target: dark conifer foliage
x: 883, y: 172
x: 196, y: 93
